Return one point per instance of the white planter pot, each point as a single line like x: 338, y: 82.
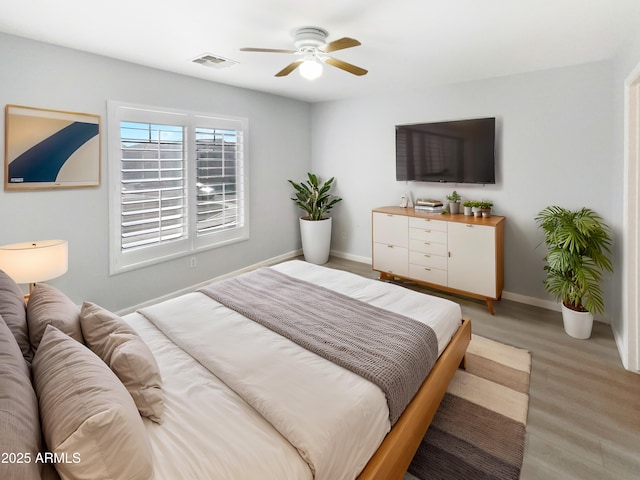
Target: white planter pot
x: 316, y: 240
x: 577, y: 324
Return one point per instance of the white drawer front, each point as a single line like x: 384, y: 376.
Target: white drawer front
x: 428, y: 274
x: 428, y: 260
x: 416, y: 222
x: 428, y: 235
x: 424, y: 246
x: 390, y: 229
x: 390, y: 259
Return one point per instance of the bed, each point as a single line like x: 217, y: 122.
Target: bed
x: 242, y: 401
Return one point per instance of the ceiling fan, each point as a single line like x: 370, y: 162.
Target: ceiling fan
x: 311, y: 44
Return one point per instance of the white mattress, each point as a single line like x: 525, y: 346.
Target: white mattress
x: 214, y: 429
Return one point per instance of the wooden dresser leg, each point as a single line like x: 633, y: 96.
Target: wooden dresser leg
x: 490, y: 305
x: 385, y: 276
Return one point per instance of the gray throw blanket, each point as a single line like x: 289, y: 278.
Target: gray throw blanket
x: 393, y: 351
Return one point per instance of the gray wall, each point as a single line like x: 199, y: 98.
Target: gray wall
x: 39, y: 75
x: 554, y: 144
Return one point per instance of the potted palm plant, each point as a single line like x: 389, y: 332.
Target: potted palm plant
x: 578, y: 244
x: 315, y: 227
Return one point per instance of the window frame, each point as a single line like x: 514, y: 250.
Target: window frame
x: 117, y: 112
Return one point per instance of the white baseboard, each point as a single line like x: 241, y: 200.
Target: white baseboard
x: 353, y: 258
x: 533, y: 301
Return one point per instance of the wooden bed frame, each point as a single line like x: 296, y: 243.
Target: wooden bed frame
x: 394, y: 455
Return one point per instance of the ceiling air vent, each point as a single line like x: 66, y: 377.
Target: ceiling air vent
x: 213, y: 61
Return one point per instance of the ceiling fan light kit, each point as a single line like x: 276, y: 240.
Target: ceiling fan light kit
x: 311, y: 68
x: 311, y: 44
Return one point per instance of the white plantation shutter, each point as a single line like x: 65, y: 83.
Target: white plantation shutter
x: 153, y: 195
x: 219, y: 157
x: 177, y: 184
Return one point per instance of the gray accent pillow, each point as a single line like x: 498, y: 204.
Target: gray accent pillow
x: 19, y: 418
x: 48, y: 305
x: 14, y: 312
x: 87, y: 414
x: 118, y: 344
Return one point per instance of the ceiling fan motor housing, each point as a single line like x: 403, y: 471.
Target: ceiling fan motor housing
x: 310, y: 38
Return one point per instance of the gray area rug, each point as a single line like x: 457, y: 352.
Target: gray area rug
x: 479, y: 430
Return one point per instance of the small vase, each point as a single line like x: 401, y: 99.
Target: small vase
x: 454, y: 208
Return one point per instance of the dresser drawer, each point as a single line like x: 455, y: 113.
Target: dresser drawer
x: 424, y: 246
x: 428, y: 235
x: 428, y: 274
x: 428, y: 260
x: 427, y: 223
x: 390, y: 259
x: 390, y: 229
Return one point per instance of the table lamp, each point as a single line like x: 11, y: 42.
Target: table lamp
x: 33, y: 262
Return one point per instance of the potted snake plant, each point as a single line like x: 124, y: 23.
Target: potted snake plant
x: 578, y: 244
x: 315, y: 227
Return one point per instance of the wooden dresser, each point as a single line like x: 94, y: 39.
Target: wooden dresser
x: 455, y: 253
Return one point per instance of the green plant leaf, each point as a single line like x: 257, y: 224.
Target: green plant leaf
x: 578, y: 244
x: 314, y: 198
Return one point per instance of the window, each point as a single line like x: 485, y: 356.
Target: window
x: 177, y: 184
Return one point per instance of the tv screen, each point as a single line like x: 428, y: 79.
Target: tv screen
x: 460, y: 151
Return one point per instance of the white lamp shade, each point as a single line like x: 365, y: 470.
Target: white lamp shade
x: 311, y: 69
x: 33, y: 262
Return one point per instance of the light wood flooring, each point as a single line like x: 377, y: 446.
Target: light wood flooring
x: 584, y: 407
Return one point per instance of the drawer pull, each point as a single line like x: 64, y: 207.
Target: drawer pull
x: 427, y: 269
x: 469, y: 225
x: 428, y: 256
x: 389, y: 215
x: 389, y: 246
x: 427, y: 243
x: 427, y: 231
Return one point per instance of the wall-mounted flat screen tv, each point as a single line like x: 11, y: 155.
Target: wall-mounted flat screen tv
x: 461, y: 151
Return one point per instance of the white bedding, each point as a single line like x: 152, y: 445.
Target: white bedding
x: 232, y: 423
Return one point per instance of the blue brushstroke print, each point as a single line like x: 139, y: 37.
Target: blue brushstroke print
x: 42, y: 162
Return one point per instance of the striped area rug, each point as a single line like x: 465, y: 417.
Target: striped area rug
x: 479, y: 430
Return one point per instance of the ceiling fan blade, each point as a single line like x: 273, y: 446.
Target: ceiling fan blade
x: 340, y: 44
x: 267, y: 50
x: 289, y: 68
x: 347, y: 67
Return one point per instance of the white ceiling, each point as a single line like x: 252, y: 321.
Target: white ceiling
x: 405, y: 43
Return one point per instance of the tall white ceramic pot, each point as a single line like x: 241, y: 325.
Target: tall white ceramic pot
x: 316, y: 239
x: 577, y: 324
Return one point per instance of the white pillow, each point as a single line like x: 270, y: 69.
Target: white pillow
x: 120, y: 347
x: 87, y: 415
x: 48, y: 305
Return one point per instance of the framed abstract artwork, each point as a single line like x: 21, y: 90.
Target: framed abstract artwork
x: 50, y: 149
